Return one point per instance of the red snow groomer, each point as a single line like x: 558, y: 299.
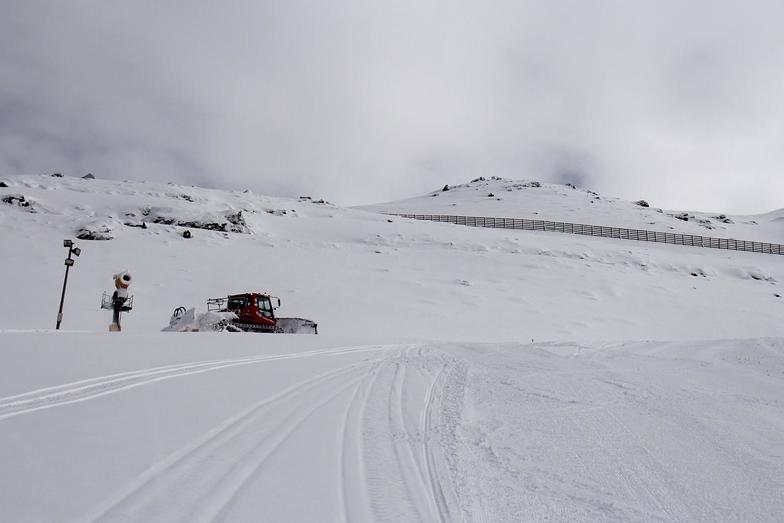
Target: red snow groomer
x: 256, y: 313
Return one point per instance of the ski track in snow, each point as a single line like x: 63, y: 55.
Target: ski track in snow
x: 430, y: 411
x: 352, y: 474
x: 200, y: 481
x: 83, y: 390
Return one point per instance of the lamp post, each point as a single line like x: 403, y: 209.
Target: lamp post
x: 72, y: 250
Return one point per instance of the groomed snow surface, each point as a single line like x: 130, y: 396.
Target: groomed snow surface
x: 461, y: 374
x: 147, y: 428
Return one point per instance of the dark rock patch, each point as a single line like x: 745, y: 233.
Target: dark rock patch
x: 723, y: 218
x: 18, y: 200
x: 311, y: 200
x: 235, y: 222
x: 95, y: 231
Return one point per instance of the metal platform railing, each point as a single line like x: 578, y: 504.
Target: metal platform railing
x: 107, y: 302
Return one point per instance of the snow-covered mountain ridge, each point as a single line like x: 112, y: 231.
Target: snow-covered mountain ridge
x: 86, y: 202
x: 504, y: 198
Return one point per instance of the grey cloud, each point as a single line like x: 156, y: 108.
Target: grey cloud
x: 672, y: 102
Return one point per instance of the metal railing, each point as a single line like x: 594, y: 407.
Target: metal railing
x: 689, y: 240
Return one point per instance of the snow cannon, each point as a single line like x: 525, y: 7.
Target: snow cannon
x: 119, y: 301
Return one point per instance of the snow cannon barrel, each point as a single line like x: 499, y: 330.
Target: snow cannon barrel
x: 122, y: 280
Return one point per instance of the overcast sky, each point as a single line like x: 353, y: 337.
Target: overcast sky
x: 677, y: 102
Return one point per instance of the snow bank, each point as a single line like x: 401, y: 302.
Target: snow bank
x: 190, y: 321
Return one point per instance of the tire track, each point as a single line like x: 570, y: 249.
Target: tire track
x: 409, y: 466
x: 414, y: 401
x: 232, y: 488
x: 387, y: 469
x: 439, y: 506
x: 201, y: 480
x: 92, y: 388
x: 403, y: 457
x: 351, y: 454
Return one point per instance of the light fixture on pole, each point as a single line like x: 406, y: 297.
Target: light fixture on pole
x: 69, y: 261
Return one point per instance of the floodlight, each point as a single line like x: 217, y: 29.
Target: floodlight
x: 77, y: 251
x: 69, y: 262
x: 67, y: 243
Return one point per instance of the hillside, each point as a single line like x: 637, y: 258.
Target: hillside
x: 360, y: 273
x: 459, y: 374
x: 499, y: 197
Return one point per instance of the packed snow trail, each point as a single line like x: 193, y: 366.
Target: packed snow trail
x: 418, y: 432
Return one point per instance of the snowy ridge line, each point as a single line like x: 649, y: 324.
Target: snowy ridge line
x: 92, y: 388
x: 687, y: 240
x: 191, y: 484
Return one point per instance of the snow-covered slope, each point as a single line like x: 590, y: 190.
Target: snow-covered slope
x: 501, y: 197
x: 367, y: 274
x: 460, y: 374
